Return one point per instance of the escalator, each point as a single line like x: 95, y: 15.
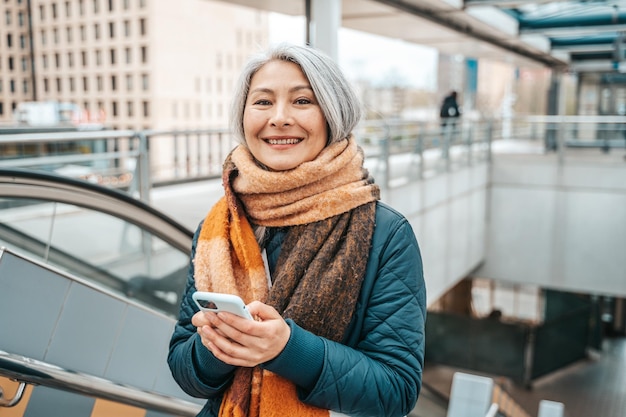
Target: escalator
x: 97, y: 234
x: 90, y: 281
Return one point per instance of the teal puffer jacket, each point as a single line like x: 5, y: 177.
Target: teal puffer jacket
x: 375, y: 371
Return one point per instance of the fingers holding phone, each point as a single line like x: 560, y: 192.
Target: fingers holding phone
x: 235, y: 340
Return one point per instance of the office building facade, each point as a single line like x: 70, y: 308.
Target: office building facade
x: 129, y: 64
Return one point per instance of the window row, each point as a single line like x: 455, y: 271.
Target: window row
x: 97, y: 29
x: 184, y: 110
x: 80, y: 7
x: 13, y: 61
x: 99, y: 57
x: 22, y: 40
x: 85, y: 84
x: 96, y: 83
x: 8, y: 18
x: 114, y: 109
x: 12, y: 86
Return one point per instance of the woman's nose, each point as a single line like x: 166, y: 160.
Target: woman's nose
x: 281, y: 115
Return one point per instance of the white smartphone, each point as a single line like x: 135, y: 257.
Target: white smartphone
x: 216, y: 302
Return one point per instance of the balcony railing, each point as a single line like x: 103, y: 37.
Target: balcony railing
x: 397, y: 151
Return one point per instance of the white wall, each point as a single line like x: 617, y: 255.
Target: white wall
x: 447, y: 213
x: 558, y: 226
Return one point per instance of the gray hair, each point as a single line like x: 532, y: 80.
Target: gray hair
x: 337, y: 99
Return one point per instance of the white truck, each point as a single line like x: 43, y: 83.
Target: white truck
x: 47, y: 113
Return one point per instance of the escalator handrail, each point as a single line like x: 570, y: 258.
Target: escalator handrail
x: 25, y: 177
x: 31, y: 371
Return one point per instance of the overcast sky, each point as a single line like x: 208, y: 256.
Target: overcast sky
x: 368, y: 56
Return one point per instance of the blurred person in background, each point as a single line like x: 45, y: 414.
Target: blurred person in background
x: 449, y: 114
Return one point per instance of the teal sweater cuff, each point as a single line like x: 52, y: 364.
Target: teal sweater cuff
x: 301, y: 360
x: 209, y: 369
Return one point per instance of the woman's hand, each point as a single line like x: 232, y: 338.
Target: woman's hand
x: 242, y: 342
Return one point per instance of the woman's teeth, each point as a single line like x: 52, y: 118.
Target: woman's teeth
x: 292, y: 141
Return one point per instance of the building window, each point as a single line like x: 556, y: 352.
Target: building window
x: 112, y: 55
x: 10, y: 63
x: 129, y: 108
x: 68, y: 9
x: 57, y: 60
x: 142, y: 26
x: 54, y: 11
x: 99, y: 83
x: 113, y: 83
x: 81, y: 7
x: 68, y: 34
x: 70, y: 59
x: 145, y: 84
x: 12, y: 86
x: 114, y: 108
x: 42, y: 13
x: 129, y: 82
x: 83, y: 33
x: 24, y: 63
x: 98, y: 57
x: 111, y: 30
x: 44, y: 61
x: 146, y: 108
x: 20, y: 19
x: 85, y: 84
x: 96, y: 31
x: 83, y: 58
x: 9, y: 40
x: 55, y: 35
x: 43, y: 37
x: 96, y: 6
x: 45, y: 85
x: 126, y: 28
x: 127, y: 55
x: 58, y: 82
x: 110, y: 5
x: 25, y: 86
x: 144, y: 54
x: 71, y: 80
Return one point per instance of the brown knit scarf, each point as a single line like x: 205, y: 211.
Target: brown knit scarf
x: 330, y: 204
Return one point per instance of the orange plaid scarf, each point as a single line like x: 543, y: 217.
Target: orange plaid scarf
x: 330, y: 204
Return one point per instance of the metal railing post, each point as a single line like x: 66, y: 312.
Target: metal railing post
x: 143, y: 168
x: 489, y: 138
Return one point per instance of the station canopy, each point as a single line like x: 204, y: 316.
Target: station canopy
x: 579, y: 35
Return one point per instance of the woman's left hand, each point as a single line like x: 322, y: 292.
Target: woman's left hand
x: 242, y: 342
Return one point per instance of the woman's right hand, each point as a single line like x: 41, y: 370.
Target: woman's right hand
x: 243, y: 342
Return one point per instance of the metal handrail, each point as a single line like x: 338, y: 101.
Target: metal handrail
x: 493, y: 410
x: 30, y: 371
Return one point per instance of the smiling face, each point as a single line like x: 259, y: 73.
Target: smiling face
x: 282, y: 121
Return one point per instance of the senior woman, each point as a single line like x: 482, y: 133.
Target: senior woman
x: 332, y: 276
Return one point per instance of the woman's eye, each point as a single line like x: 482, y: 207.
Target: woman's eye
x: 262, y: 102
x: 303, y: 101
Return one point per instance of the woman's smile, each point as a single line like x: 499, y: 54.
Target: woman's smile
x: 283, y: 141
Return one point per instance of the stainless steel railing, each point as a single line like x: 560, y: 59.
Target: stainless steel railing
x: 137, y: 161
x: 29, y: 371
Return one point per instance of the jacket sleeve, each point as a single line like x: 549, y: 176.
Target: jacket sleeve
x: 193, y: 366
x: 377, y: 371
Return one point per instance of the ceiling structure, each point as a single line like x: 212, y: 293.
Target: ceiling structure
x: 578, y: 35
